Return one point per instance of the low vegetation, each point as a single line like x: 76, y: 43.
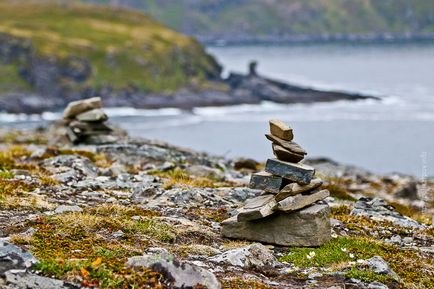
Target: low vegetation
x: 82, y: 247
x: 99, y: 46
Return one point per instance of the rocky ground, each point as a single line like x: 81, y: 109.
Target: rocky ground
x: 145, y: 214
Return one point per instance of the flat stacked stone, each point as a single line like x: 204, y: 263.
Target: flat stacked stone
x: 288, y: 212
x: 85, y: 122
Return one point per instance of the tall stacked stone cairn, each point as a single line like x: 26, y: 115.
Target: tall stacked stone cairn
x: 289, y: 211
x: 84, y: 121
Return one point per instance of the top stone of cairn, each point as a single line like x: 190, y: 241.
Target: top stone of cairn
x: 77, y: 107
x: 281, y: 130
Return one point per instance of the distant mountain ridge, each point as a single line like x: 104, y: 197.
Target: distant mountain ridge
x: 292, y: 20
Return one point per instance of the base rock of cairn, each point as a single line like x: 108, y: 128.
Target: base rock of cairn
x: 84, y: 122
x: 290, y: 211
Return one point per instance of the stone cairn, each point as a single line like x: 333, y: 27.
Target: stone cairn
x: 84, y: 121
x: 288, y: 212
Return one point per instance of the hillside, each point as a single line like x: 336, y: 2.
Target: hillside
x: 62, y: 49
x: 241, y: 20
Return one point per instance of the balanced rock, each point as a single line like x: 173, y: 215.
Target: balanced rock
x: 289, y: 145
x: 309, y: 227
x: 76, y: 107
x: 94, y: 115
x: 286, y: 155
x: 299, y: 173
x: 293, y: 189
x: 256, y: 208
x: 301, y: 200
x: 266, y: 182
x: 281, y: 130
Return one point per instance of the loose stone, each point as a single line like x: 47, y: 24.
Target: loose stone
x: 266, y: 182
x: 293, y: 189
x: 299, y: 173
x: 281, y: 130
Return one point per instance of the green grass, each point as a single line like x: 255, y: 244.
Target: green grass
x: 414, y: 269
x: 125, y: 48
x: 336, y: 251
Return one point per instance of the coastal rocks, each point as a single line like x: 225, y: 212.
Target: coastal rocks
x: 84, y: 122
x: 287, y: 212
x: 254, y: 255
x: 379, y: 210
x: 180, y: 274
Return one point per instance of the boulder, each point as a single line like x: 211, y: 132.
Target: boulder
x: 293, y: 189
x: 291, y: 146
x: 309, y: 227
x: 301, y: 200
x: 257, y: 208
x: 286, y: 155
x: 76, y: 107
x: 299, y: 173
x: 254, y: 255
x: 266, y: 182
x: 94, y: 115
x: 281, y: 130
x: 179, y: 274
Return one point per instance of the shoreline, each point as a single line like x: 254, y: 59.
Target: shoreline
x: 240, y: 89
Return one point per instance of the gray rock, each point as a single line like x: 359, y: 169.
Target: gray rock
x: 179, y: 274
x: 300, y: 201
x: 293, y: 189
x: 67, y: 209
x: 257, y: 208
x: 94, y: 115
x: 378, y: 209
x: 291, y: 146
x: 78, y: 163
x: 254, y: 255
x: 13, y: 257
x: 76, y: 107
x: 380, y: 266
x: 308, y: 227
x: 299, y: 173
x: 266, y: 182
x: 286, y: 155
x: 281, y: 130
x: 26, y: 280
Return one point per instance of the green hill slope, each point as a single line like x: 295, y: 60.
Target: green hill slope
x: 51, y: 48
x: 232, y: 19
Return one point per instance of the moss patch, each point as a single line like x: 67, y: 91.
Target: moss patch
x: 80, y: 247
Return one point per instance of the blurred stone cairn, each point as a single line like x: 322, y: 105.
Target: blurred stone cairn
x: 84, y: 121
x: 289, y: 212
